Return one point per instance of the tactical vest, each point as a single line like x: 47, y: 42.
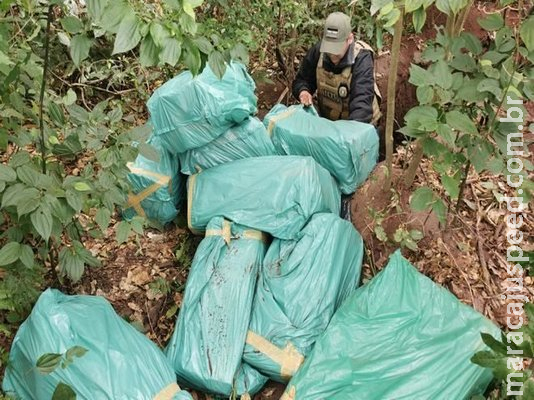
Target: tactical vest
x: 333, y: 90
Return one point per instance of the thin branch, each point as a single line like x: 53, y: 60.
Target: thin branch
x: 43, y: 85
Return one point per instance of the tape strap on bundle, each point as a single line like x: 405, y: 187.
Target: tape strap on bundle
x: 134, y: 200
x: 273, y: 120
x: 290, y: 394
x: 288, y: 358
x: 190, y: 191
x: 168, y: 392
x: 226, y: 233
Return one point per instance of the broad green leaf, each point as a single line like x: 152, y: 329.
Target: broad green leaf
x: 47, y: 363
x: 440, y: 210
x: 123, y: 231
x: 56, y: 114
x: 63, y: 392
x: 527, y: 33
x: 114, y: 13
x: 7, y: 174
x: 28, y: 175
x: 421, y: 199
x: 528, y: 389
x: 425, y: 94
x: 217, y: 63
x: 148, y: 53
x: 74, y: 199
x: 102, y: 218
x: 170, y: 51
x: 461, y: 122
x: 188, y: 24
x: 10, y: 253
x: 137, y: 223
x: 13, y: 195
x: 240, y: 53
x: 148, y: 151
x: 128, y: 34
x: 493, y: 343
x: 75, y: 351
x: 469, y: 92
x: 464, y: 63
x: 392, y: 18
x: 26, y: 255
x: 192, y: 59
x: 496, y: 362
x: 412, y: 5
x: 492, y: 22
x: 82, y: 187
x: 70, y: 264
x: 140, y: 133
x: 159, y: 34
x: 377, y: 5
x: 492, y: 86
x: 42, y: 221
x: 95, y: 8
x: 203, y: 44
x: 4, y: 59
x: 188, y: 9
x: 20, y: 158
x: 446, y: 133
x: 451, y: 185
x: 472, y: 43
x: 69, y: 98
x: 79, y: 48
x: 72, y: 24
x: 386, y: 9
x: 419, y: 19
x: 420, y: 76
x: 29, y: 201
x: 444, y: 6
x: 422, y: 118
x: 457, y: 5
x: 494, y: 57
x: 416, y: 234
x: 442, y: 74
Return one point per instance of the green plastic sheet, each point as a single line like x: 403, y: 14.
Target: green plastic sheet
x: 189, y: 112
x: 347, y: 149
x: 273, y: 194
x: 245, y: 140
x: 157, y: 188
x: 302, y: 283
x: 400, y: 336
x: 120, y: 362
x: 207, y: 345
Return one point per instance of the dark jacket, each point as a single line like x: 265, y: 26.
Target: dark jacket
x: 362, y: 86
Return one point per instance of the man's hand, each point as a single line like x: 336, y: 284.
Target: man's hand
x: 305, y: 98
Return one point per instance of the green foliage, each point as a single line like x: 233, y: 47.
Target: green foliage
x: 461, y: 94
x: 49, y: 362
x: 507, y: 356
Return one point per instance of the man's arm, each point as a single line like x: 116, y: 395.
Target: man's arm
x: 362, y: 90
x: 306, y: 78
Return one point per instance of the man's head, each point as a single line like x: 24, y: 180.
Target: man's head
x: 337, y: 36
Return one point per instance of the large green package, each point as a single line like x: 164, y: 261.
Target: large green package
x: 156, y: 186
x: 207, y: 344
x: 273, y: 194
x: 302, y: 283
x: 400, y: 336
x: 120, y: 362
x: 347, y: 149
x: 245, y: 140
x: 189, y: 112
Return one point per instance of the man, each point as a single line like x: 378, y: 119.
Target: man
x: 341, y: 71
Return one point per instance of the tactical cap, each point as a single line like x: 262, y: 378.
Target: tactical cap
x: 336, y: 31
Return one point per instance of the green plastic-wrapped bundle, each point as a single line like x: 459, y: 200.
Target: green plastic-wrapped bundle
x: 273, y: 194
x: 157, y: 188
x: 189, y: 112
x: 400, y: 336
x: 207, y: 344
x: 245, y: 140
x: 347, y: 149
x: 303, y: 282
x: 110, y: 359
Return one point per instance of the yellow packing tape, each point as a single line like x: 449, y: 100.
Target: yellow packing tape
x: 281, y: 116
x: 290, y: 394
x: 134, y: 200
x: 288, y: 358
x: 226, y: 233
x: 168, y: 392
